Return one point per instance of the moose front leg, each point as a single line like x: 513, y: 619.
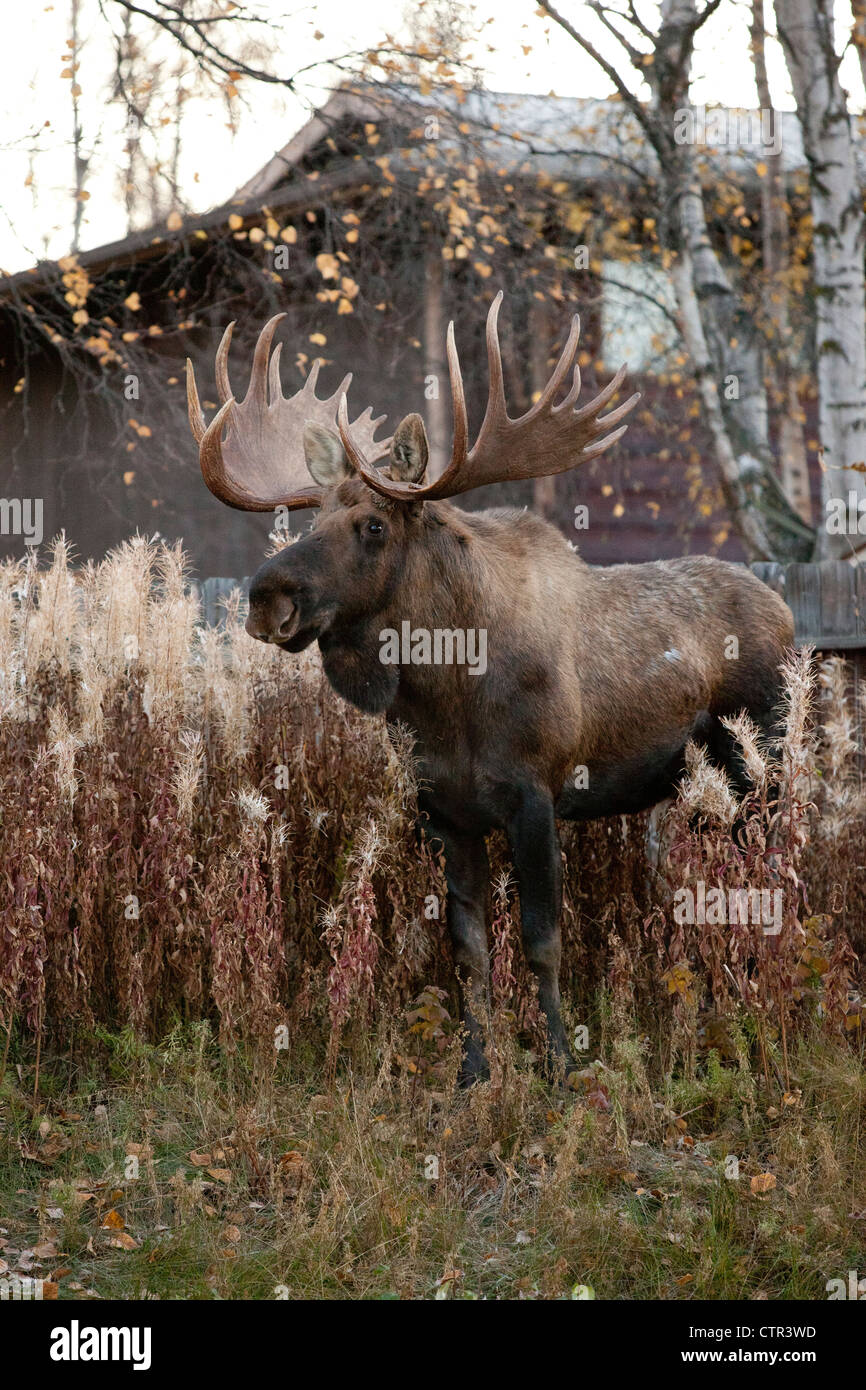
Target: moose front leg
x: 535, y: 851
x: 466, y: 874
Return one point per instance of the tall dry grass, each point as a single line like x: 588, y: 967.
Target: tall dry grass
x: 195, y: 826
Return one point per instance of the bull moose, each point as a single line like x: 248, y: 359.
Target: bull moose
x: 610, y: 670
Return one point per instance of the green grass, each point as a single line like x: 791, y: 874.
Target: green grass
x: 318, y: 1190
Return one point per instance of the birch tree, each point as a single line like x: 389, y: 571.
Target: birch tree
x: 805, y: 29
x: 780, y: 370
x: 714, y: 329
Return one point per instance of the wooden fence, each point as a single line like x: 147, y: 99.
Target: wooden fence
x: 828, y: 602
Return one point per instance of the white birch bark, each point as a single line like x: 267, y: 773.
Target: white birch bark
x: 805, y: 29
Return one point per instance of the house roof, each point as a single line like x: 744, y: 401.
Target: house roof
x: 565, y: 137
x: 574, y: 138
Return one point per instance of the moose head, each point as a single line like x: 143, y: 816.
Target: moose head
x: 369, y: 516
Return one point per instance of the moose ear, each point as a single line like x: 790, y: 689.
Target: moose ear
x: 324, y: 453
x: 409, y: 450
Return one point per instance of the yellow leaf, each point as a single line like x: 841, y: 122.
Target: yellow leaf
x: 235, y: 222
x: 174, y: 222
x: 763, y: 1182
x: 328, y: 266
x: 123, y: 1241
x: 113, y: 1220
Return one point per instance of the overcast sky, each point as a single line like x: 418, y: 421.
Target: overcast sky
x: 36, y: 166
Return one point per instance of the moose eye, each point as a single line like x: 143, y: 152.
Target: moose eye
x: 374, y: 528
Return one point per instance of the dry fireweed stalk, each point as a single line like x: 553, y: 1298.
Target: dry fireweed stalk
x: 194, y: 825
x: 741, y: 928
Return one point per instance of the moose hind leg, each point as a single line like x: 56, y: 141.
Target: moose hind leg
x: 766, y: 714
x: 535, y: 850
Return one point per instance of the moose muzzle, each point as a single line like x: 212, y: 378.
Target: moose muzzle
x: 276, y: 620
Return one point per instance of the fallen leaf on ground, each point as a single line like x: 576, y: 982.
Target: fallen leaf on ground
x: 763, y: 1182
x: 122, y: 1240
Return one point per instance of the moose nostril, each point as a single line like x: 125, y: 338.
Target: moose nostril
x: 257, y: 629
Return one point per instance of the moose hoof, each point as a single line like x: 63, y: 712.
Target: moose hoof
x: 560, y: 1067
x: 474, y: 1068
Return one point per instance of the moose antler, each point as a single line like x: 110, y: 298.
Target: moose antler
x: 547, y: 439
x: 260, y: 465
